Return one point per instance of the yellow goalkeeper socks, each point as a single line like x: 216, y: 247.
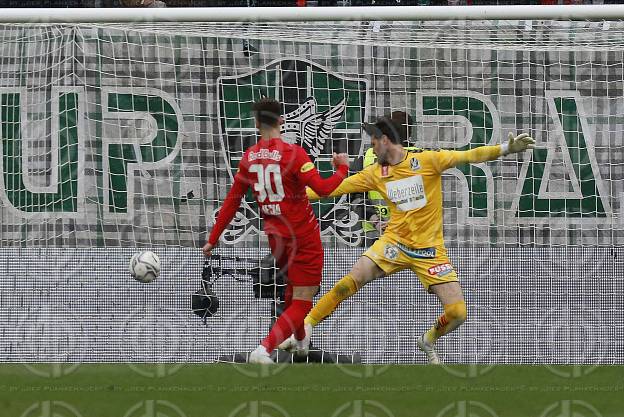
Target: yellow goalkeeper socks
x: 454, y: 315
x: 342, y: 290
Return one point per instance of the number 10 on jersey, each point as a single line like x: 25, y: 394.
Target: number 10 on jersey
x: 269, y: 184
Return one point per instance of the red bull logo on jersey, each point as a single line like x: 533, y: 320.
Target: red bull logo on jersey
x: 265, y: 154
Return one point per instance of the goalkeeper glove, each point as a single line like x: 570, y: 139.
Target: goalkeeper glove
x: 517, y: 144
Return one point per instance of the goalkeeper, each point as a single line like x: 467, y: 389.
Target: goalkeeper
x: 375, y: 223
x: 410, y: 182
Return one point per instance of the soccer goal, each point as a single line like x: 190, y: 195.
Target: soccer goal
x: 121, y: 130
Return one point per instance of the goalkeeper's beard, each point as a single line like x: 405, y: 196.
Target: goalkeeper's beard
x: 382, y: 159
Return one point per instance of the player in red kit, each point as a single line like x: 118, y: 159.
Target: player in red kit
x: 278, y: 174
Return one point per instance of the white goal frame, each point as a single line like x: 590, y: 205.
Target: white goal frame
x: 298, y: 14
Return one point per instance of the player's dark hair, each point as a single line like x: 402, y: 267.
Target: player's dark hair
x: 267, y: 111
x: 385, y: 126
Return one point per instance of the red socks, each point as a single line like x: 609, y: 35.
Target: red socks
x: 300, y: 332
x: 290, y: 321
x: 288, y: 293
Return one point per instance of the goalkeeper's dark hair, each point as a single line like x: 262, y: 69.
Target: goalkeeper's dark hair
x: 267, y: 112
x: 395, y: 127
x: 384, y: 126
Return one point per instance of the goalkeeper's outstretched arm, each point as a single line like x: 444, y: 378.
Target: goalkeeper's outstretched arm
x: 517, y: 144
x: 357, y: 183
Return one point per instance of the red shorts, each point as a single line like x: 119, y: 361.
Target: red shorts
x: 301, y: 258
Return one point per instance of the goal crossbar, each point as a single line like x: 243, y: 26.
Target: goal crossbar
x: 298, y: 14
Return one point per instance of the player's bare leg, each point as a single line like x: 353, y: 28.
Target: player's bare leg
x: 289, y: 322
x: 363, y: 272
x: 452, y: 299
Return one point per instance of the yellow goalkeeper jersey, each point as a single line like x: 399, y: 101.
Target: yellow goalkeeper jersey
x: 413, y: 191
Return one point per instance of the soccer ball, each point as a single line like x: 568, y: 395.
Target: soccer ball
x: 144, y: 266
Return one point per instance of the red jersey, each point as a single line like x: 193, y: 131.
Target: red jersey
x: 278, y: 173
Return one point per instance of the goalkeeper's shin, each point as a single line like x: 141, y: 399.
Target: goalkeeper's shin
x: 342, y: 290
x: 454, y: 315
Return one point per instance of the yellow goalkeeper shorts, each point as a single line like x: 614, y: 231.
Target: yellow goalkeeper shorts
x: 431, y: 265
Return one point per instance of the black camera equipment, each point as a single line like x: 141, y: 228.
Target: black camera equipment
x: 267, y: 280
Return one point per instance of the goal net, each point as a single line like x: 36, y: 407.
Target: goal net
x: 116, y: 137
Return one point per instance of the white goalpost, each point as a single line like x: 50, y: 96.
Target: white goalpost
x: 121, y: 129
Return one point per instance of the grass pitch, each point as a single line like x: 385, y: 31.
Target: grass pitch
x: 207, y: 390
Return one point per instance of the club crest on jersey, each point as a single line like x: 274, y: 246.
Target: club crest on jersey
x: 391, y: 252
x: 414, y: 164
x: 323, y: 111
x: 385, y: 171
x: 441, y: 270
